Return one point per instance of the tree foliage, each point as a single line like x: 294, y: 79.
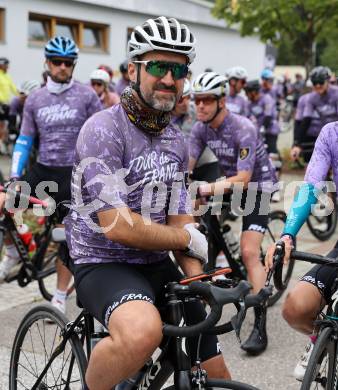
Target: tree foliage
x: 302, y: 22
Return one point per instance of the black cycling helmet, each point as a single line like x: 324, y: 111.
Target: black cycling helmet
x: 252, y: 85
x: 4, y: 61
x: 320, y: 74
x: 124, y: 67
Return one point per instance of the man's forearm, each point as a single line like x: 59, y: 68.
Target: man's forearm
x: 189, y: 266
x: 224, y: 186
x: 142, y: 233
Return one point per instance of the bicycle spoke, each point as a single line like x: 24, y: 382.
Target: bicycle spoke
x: 18, y: 380
x: 26, y: 369
x: 30, y: 334
x: 22, y: 351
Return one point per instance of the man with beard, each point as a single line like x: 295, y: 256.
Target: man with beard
x: 120, y: 244
x: 55, y: 114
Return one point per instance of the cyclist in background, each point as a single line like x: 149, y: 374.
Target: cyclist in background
x: 109, y: 70
x: 55, y: 114
x: 244, y: 161
x: 7, y: 89
x: 121, y: 268
x: 261, y: 110
x: 236, y: 103
x: 99, y: 80
x: 17, y: 104
x: 313, y: 131
x: 124, y: 80
x: 323, y: 101
x: 184, y: 114
x: 314, y: 290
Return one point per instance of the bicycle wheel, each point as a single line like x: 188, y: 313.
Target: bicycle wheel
x: 228, y: 384
x: 275, y: 227
x: 39, y: 335
x: 321, y: 371
x: 323, y: 227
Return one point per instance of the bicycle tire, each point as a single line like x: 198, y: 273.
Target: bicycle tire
x: 323, y: 346
x: 53, y: 317
x: 228, y: 384
x: 330, y: 220
x: 45, y: 267
x: 282, y: 275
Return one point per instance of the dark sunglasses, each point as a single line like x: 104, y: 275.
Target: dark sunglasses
x: 320, y: 82
x: 161, y: 68
x: 205, y: 100
x: 98, y: 83
x: 59, y: 62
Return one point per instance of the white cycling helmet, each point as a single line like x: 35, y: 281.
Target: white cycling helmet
x: 186, y: 88
x: 100, y: 74
x: 210, y: 83
x: 165, y: 34
x: 29, y: 86
x: 237, y: 72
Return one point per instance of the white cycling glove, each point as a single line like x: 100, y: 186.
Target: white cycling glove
x: 198, y: 246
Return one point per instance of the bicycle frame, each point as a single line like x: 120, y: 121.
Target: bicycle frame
x: 173, y: 358
x: 28, y: 271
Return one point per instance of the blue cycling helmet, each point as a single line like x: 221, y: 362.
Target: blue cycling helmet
x: 267, y: 74
x: 61, y: 47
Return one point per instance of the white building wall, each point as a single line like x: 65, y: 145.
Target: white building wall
x: 217, y: 46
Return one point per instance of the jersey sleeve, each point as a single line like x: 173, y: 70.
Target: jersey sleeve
x: 247, y: 139
x: 197, y: 142
x: 28, y: 126
x: 99, y: 177
x: 300, y: 109
x: 321, y: 159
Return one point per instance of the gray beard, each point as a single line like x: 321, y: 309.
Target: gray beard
x: 160, y: 105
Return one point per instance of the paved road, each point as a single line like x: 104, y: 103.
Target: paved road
x: 271, y: 370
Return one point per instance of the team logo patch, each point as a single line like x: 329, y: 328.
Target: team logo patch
x: 243, y: 153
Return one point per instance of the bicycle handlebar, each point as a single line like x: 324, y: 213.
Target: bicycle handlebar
x: 216, y: 297
x: 278, y: 257
x: 30, y: 199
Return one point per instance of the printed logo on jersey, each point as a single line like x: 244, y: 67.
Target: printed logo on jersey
x: 57, y: 112
x: 244, y: 153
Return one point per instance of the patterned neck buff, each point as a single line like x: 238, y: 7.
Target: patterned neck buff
x: 151, y: 122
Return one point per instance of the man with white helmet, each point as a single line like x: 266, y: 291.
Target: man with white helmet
x: 17, y: 104
x: 237, y: 77
x: 120, y: 271
x: 183, y: 115
x: 99, y: 80
x: 244, y: 162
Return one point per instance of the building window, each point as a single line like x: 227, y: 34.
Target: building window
x: 88, y: 36
x: 38, y: 30
x: 2, y: 24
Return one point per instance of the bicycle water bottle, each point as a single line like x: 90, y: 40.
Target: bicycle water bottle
x: 27, y: 238
x: 231, y: 240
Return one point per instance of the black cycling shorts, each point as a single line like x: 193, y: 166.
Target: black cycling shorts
x: 101, y: 288
x: 254, y: 203
x: 271, y: 143
x: 4, y: 111
x: 323, y: 277
x: 60, y: 175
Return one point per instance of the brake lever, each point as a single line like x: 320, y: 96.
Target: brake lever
x: 238, y: 319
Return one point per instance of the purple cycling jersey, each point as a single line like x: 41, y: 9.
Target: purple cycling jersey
x: 57, y: 120
x: 121, y: 85
x: 325, y: 106
x: 16, y: 106
x: 237, y: 104
x: 258, y: 110
x: 274, y: 92
x: 238, y: 147
x: 124, y: 167
x: 324, y: 157
x: 315, y: 125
